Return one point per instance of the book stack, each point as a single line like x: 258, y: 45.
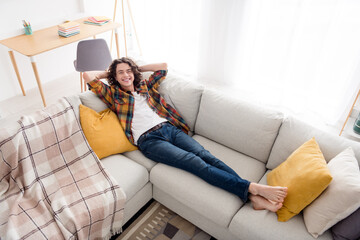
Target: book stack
x: 99, y: 20
x: 69, y: 29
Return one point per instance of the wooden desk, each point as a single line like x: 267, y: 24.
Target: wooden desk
x: 48, y: 39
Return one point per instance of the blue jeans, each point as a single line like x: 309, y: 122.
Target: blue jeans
x: 171, y: 146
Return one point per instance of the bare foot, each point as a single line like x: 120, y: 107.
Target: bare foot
x: 261, y: 203
x: 276, y: 194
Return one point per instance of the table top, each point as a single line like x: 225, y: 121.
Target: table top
x: 48, y: 38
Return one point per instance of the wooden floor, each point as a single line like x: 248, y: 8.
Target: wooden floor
x: 13, y: 108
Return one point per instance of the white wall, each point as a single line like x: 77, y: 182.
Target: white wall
x: 42, y: 13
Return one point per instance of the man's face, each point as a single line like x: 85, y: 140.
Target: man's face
x: 125, y: 76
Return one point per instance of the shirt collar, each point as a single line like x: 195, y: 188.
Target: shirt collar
x: 142, y: 88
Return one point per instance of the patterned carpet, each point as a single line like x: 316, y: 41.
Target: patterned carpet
x: 159, y: 223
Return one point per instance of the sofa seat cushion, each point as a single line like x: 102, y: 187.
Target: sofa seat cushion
x: 130, y: 175
x: 210, y: 202
x: 245, y: 127
x: 263, y: 225
x: 247, y: 167
x: 138, y: 157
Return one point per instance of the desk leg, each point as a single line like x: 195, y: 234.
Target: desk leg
x: 12, y: 57
x: 33, y: 63
x: 117, y: 44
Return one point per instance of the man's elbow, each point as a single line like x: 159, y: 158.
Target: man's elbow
x: 87, y: 77
x: 164, y: 66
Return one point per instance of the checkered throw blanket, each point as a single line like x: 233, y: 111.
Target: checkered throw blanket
x: 52, y: 185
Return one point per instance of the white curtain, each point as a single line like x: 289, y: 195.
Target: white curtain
x: 300, y: 55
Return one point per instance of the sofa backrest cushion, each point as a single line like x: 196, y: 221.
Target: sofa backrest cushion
x: 180, y: 93
x: 294, y: 132
x: 184, y: 95
x: 90, y: 100
x: 245, y: 127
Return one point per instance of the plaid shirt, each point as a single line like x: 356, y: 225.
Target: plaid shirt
x: 122, y: 103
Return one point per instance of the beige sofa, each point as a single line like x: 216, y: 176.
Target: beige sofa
x: 251, y: 139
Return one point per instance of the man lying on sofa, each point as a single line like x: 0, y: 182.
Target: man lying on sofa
x: 161, y: 133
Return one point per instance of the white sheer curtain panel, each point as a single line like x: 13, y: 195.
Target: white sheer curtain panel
x: 168, y: 31
x: 301, y: 55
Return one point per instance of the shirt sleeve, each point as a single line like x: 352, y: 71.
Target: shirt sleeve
x: 156, y: 78
x: 103, y: 91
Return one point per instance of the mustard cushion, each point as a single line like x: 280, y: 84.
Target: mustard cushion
x: 306, y: 175
x: 104, y: 132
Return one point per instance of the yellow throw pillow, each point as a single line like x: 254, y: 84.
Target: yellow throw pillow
x: 104, y: 132
x: 306, y: 175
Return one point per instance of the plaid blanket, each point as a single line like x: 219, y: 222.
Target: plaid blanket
x: 52, y: 185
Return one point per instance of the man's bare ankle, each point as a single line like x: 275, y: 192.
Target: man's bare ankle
x: 253, y: 188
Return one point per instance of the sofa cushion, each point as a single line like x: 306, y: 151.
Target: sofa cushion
x: 180, y: 93
x: 305, y: 174
x: 90, y: 100
x: 293, y: 133
x: 247, y: 167
x: 138, y: 157
x: 348, y: 228
x: 104, y: 133
x: 248, y: 128
x: 340, y: 199
x: 263, y: 225
x: 209, y: 226
x: 129, y: 175
x: 211, y: 202
x: 183, y: 95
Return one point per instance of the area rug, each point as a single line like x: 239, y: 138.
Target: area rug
x: 159, y: 223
